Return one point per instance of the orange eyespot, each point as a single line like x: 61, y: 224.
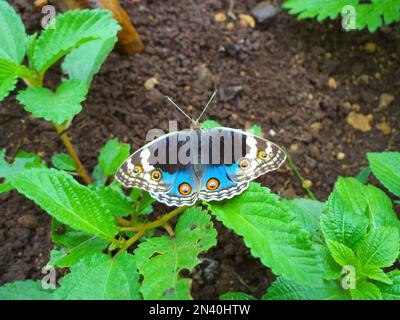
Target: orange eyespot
x: 137, y: 170
x: 244, y: 164
x: 263, y: 154
x: 156, y: 175
x: 185, y: 189
x: 212, y: 184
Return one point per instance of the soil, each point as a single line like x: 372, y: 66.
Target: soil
x: 275, y: 76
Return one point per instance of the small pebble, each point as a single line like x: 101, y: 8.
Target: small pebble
x: 355, y: 107
x: 384, y: 127
x: 316, y: 127
x: 294, y: 148
x: 308, y: 183
x: 230, y: 26
x: 340, y: 156
x: 385, y: 100
x: 28, y: 221
x: 220, y: 17
x: 150, y: 83
x: 370, y: 47
x: 247, y: 21
x: 332, y: 83
x: 264, y: 11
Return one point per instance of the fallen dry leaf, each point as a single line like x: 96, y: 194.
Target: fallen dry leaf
x: 360, y: 121
x: 247, y: 20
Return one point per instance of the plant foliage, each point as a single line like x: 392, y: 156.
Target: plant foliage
x: 368, y: 14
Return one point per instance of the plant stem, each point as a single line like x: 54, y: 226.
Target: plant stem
x: 65, y: 139
x: 141, y: 229
x: 297, y: 172
x: 168, y: 228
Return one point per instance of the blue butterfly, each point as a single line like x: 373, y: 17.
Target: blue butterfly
x: 208, y: 164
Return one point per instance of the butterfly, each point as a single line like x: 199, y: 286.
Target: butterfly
x: 182, y: 167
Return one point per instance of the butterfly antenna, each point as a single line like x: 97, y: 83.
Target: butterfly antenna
x: 180, y: 109
x: 205, y: 108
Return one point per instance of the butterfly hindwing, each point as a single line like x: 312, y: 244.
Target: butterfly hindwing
x: 217, y: 185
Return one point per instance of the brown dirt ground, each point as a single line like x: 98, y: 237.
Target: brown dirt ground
x: 282, y: 70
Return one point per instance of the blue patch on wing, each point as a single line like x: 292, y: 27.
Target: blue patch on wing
x: 219, y: 172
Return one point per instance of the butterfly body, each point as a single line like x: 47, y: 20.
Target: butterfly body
x: 208, y: 164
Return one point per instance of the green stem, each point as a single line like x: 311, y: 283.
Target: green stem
x: 297, y: 172
x: 143, y: 228
x: 67, y: 142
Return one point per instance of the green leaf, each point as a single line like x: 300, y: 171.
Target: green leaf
x: 341, y: 254
x: 375, y: 273
x: 283, y: 289
x: 332, y: 270
x: 112, y: 155
x: 23, y: 161
x: 236, y: 296
x: 363, y: 175
x: 69, y: 202
x: 320, y: 9
x: 255, y: 129
x: 72, y: 29
x: 8, y: 77
x: 25, y: 290
x: 12, y: 34
x: 209, y: 124
x: 67, y: 257
x: 271, y: 231
x: 366, y: 291
x: 380, y: 208
x: 144, y: 205
x: 390, y: 10
x: 99, y: 177
x: 57, y: 107
x: 391, y: 292
x: 160, y: 260
x: 72, y: 245
x: 380, y: 247
x: 100, y: 277
x: 116, y: 202
x: 63, y: 161
x: 386, y: 167
x: 369, y: 15
x: 308, y: 214
x: 346, y: 221
x: 30, y: 47
x: 83, y: 66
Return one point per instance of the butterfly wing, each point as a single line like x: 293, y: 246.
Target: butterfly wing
x: 157, y: 168
x: 234, y: 159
